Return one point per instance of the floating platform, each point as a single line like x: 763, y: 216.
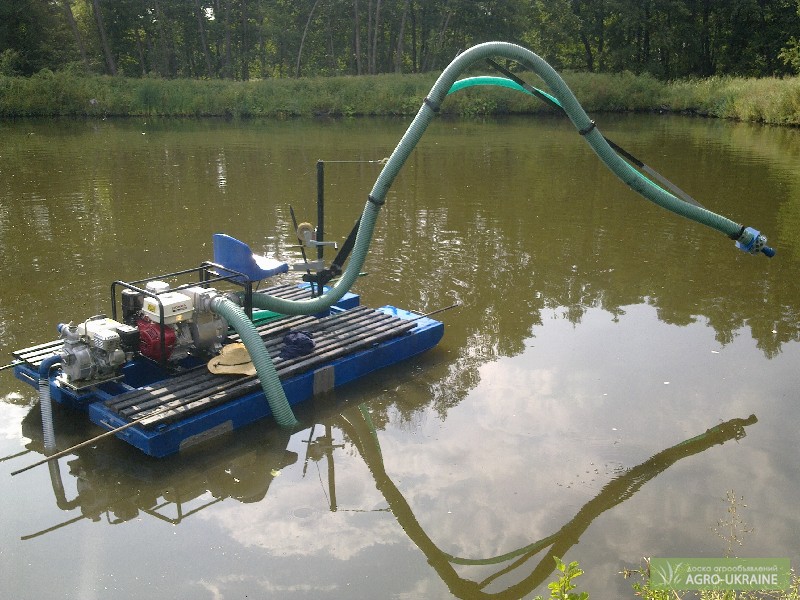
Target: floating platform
x: 178, y: 409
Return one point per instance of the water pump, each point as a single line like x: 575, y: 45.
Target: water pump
x: 161, y: 324
x: 185, y: 320
x: 95, y: 349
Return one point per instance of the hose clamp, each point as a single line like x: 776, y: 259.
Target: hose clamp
x: 588, y: 128
x: 751, y: 241
x: 431, y: 104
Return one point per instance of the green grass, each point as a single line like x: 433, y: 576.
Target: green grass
x: 563, y: 584
x: 731, y: 529
x: 643, y: 590
x: 769, y: 100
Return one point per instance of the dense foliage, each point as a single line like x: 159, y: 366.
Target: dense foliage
x: 251, y: 39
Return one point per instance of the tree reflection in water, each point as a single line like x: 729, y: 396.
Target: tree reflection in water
x: 174, y: 490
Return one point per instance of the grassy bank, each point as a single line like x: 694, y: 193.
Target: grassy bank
x: 774, y: 101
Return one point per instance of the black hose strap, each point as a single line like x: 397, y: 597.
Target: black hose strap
x: 735, y: 237
x: 431, y: 104
x: 588, y: 128
x: 372, y: 199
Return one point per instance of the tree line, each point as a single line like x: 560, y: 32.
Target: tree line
x: 253, y: 39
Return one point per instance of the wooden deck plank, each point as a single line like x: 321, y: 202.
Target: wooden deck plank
x: 186, y: 386
x: 330, y: 345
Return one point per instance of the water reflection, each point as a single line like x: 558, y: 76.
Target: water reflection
x: 120, y: 486
x: 571, y: 288
x: 242, y: 469
x: 520, y: 211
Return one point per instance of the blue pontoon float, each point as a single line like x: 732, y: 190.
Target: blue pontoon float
x: 149, y: 375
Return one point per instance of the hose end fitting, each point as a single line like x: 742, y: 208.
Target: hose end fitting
x: 752, y: 242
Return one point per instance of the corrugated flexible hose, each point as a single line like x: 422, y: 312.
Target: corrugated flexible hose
x: 270, y: 383
x: 747, y: 239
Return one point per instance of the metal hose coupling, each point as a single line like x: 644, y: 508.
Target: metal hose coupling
x: 751, y: 241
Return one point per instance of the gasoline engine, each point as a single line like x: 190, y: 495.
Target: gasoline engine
x: 163, y: 325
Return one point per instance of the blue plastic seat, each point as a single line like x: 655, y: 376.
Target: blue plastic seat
x: 237, y: 256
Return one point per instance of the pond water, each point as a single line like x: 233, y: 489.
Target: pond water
x: 613, y: 373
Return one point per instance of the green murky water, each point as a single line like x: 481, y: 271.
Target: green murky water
x: 598, y: 337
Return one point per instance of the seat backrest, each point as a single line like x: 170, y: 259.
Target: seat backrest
x: 237, y: 256
x: 229, y: 251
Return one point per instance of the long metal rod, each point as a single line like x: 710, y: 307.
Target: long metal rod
x: 89, y: 441
x: 320, y: 208
x: 436, y: 312
x: 31, y: 536
x: 15, y: 455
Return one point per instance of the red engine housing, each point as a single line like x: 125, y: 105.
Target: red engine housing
x: 150, y: 339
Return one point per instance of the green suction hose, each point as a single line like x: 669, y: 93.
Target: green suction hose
x: 501, y: 82
x: 485, y: 80
x: 267, y: 374
x: 747, y: 239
